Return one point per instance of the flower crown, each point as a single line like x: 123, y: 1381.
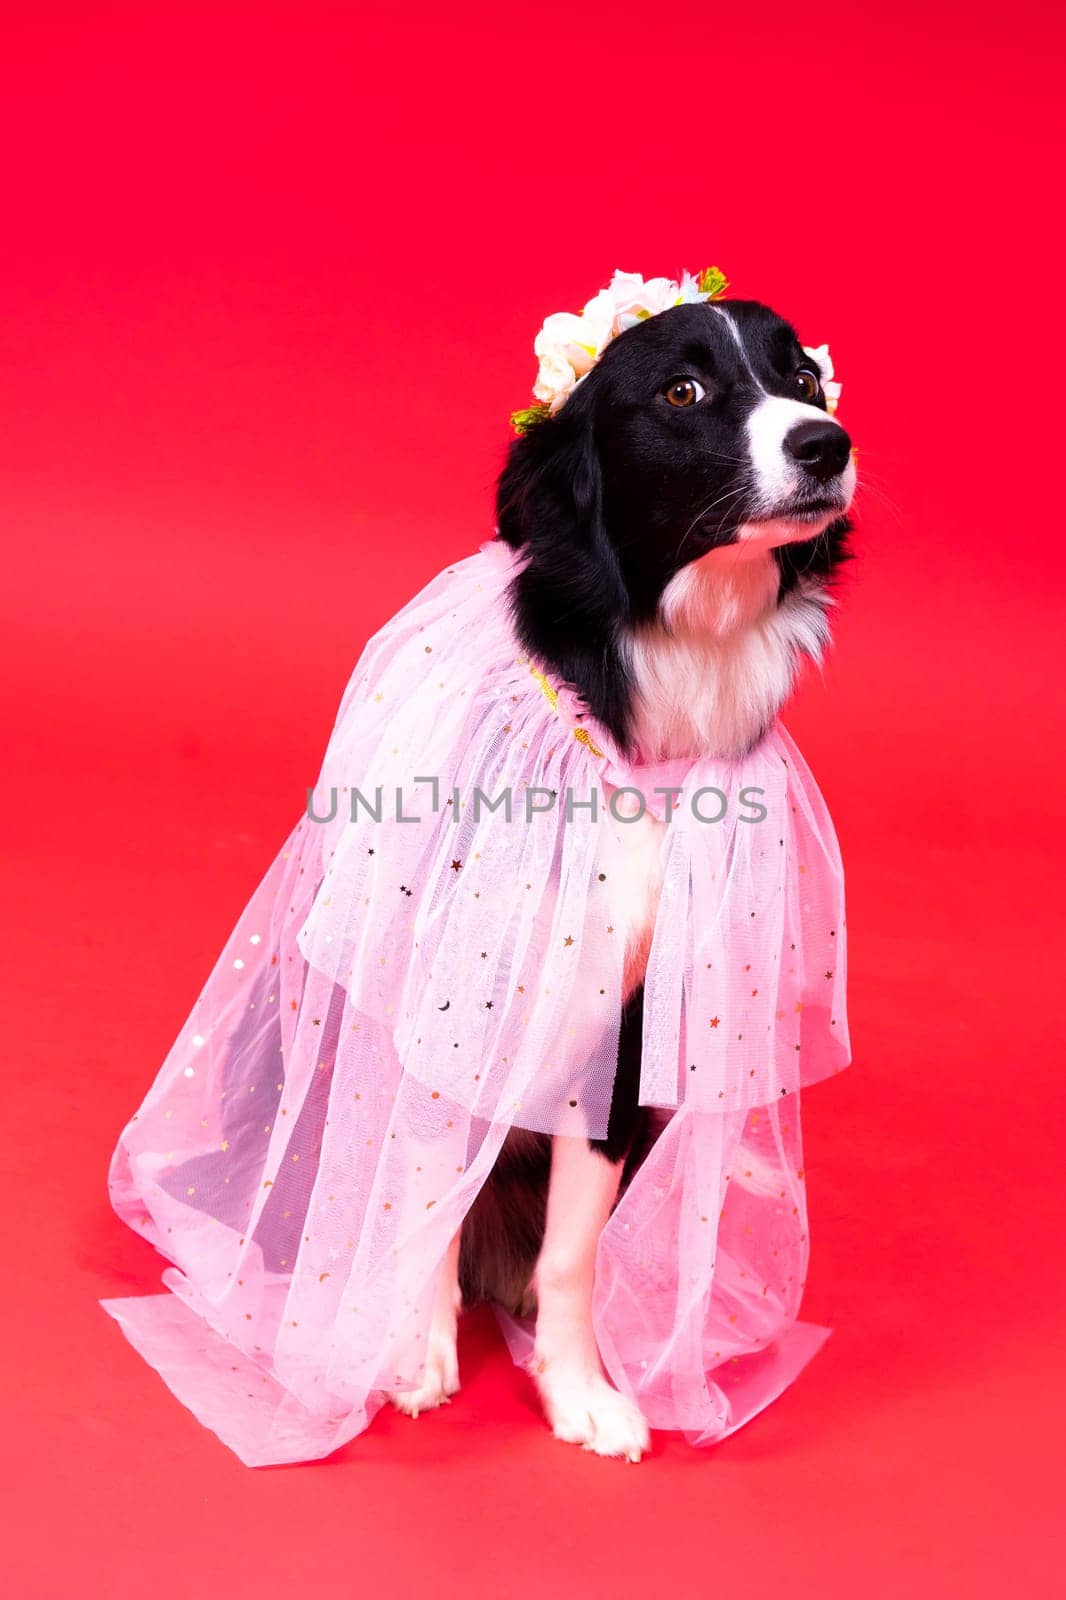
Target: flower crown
x: 570, y: 343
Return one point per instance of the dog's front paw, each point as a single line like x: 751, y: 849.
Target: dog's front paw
x: 584, y: 1409
x: 439, y: 1382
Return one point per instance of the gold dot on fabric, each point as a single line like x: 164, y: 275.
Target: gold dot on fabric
x: 322, y: 1277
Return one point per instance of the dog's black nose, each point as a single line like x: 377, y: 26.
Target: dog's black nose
x: 821, y: 448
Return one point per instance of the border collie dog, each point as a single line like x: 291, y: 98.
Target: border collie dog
x: 684, y: 514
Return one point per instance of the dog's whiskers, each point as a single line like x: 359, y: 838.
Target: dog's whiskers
x: 729, y: 496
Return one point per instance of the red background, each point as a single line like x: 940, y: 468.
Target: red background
x: 270, y: 285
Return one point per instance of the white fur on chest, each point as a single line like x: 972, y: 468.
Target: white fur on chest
x: 711, y: 673
x: 709, y: 677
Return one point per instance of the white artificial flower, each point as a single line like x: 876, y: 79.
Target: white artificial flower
x: 691, y: 293
x: 558, y: 330
x: 555, y: 378
x: 637, y: 298
x: 570, y: 343
x: 598, y: 315
x: 819, y: 354
x: 570, y: 336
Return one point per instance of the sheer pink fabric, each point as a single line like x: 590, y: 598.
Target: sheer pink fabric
x: 400, y: 991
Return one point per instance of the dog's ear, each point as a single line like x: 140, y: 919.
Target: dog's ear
x: 551, y: 487
x: 550, y: 502
x: 570, y: 599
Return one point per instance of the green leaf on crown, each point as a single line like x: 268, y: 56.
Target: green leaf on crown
x: 712, y: 281
x: 528, y: 417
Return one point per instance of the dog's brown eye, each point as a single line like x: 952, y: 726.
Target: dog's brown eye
x: 683, y: 392
x: 808, y: 383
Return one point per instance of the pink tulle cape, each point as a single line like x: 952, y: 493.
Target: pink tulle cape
x: 416, y: 974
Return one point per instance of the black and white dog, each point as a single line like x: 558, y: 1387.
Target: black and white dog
x: 685, y: 513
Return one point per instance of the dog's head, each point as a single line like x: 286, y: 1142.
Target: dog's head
x: 702, y: 427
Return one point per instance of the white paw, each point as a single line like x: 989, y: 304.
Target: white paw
x: 439, y: 1381
x: 583, y: 1409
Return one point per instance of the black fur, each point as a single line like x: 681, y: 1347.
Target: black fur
x: 625, y: 1115
x: 619, y: 490
x: 503, y: 1229
x: 610, y: 498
